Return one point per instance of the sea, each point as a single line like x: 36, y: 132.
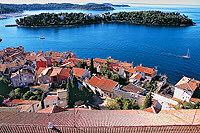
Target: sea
x: 151, y: 46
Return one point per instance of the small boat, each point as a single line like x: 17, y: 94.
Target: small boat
x: 187, y: 56
x: 0, y: 39
x: 42, y: 37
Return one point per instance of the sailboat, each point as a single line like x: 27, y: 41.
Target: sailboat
x: 187, y: 56
x: 42, y: 37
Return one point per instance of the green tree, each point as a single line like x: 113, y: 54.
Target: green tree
x: 27, y: 95
x: 5, y: 86
x: 127, y: 105
x: 197, y: 105
x: 1, y: 99
x: 15, y: 94
x: 42, y: 100
x: 147, y: 101
x: 119, y: 101
x: 82, y: 64
x: 112, y: 105
x: 69, y: 96
x: 119, y: 79
x: 91, y: 67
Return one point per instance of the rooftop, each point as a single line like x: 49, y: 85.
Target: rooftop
x: 132, y: 88
x: 188, y: 84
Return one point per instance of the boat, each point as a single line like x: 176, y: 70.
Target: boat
x: 42, y: 37
x: 0, y: 39
x: 187, y: 56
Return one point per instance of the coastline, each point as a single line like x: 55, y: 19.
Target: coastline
x: 108, y: 22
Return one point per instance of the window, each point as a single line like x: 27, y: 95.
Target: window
x: 37, y: 105
x: 54, y: 78
x: 45, y: 63
x: 54, y: 104
x: 47, y: 106
x: 30, y: 111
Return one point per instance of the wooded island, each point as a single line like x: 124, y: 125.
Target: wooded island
x: 10, y: 8
x: 153, y: 18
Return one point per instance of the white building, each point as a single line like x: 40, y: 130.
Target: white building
x: 185, y: 88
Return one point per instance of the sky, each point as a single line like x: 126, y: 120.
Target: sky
x: 188, y: 2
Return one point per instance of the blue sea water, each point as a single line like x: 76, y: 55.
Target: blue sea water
x: 160, y: 47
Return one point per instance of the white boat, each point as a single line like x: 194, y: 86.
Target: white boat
x: 187, y: 56
x: 42, y: 37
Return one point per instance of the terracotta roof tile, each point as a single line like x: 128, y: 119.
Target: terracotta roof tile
x: 51, y: 97
x: 100, y: 60
x: 188, y: 84
x: 56, y: 71
x: 78, y: 72
x: 94, y: 81
x: 39, y: 71
x: 16, y: 101
x: 195, y: 100
x: 132, y: 88
x: 131, y: 70
x: 107, y: 85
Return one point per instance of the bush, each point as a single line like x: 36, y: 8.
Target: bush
x: 147, y: 101
x: 112, y: 105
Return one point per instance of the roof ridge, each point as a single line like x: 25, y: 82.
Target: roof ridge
x: 189, y: 86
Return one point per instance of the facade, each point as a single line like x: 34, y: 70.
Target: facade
x: 104, y: 87
x: 146, y: 72
x: 81, y: 73
x: 23, y: 78
x: 44, y: 75
x: 26, y: 105
x: 185, y: 88
x: 59, y: 75
x: 50, y: 100
x: 42, y: 62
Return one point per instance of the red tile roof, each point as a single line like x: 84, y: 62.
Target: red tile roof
x: 31, y: 58
x: 65, y: 73
x: 188, y: 84
x: 137, y: 77
x: 52, y: 109
x: 78, y: 72
x: 56, y: 71
x: 195, y: 100
x: 51, y: 97
x: 39, y: 71
x: 131, y: 70
x: 94, y: 81
x: 133, y: 88
x: 145, y: 69
x: 107, y: 85
x: 16, y: 101
x: 103, y: 118
x: 100, y: 60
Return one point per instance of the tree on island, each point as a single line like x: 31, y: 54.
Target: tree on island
x: 147, y: 101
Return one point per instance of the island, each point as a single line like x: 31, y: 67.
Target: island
x: 9, y: 8
x: 152, y: 18
x: 121, y: 5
